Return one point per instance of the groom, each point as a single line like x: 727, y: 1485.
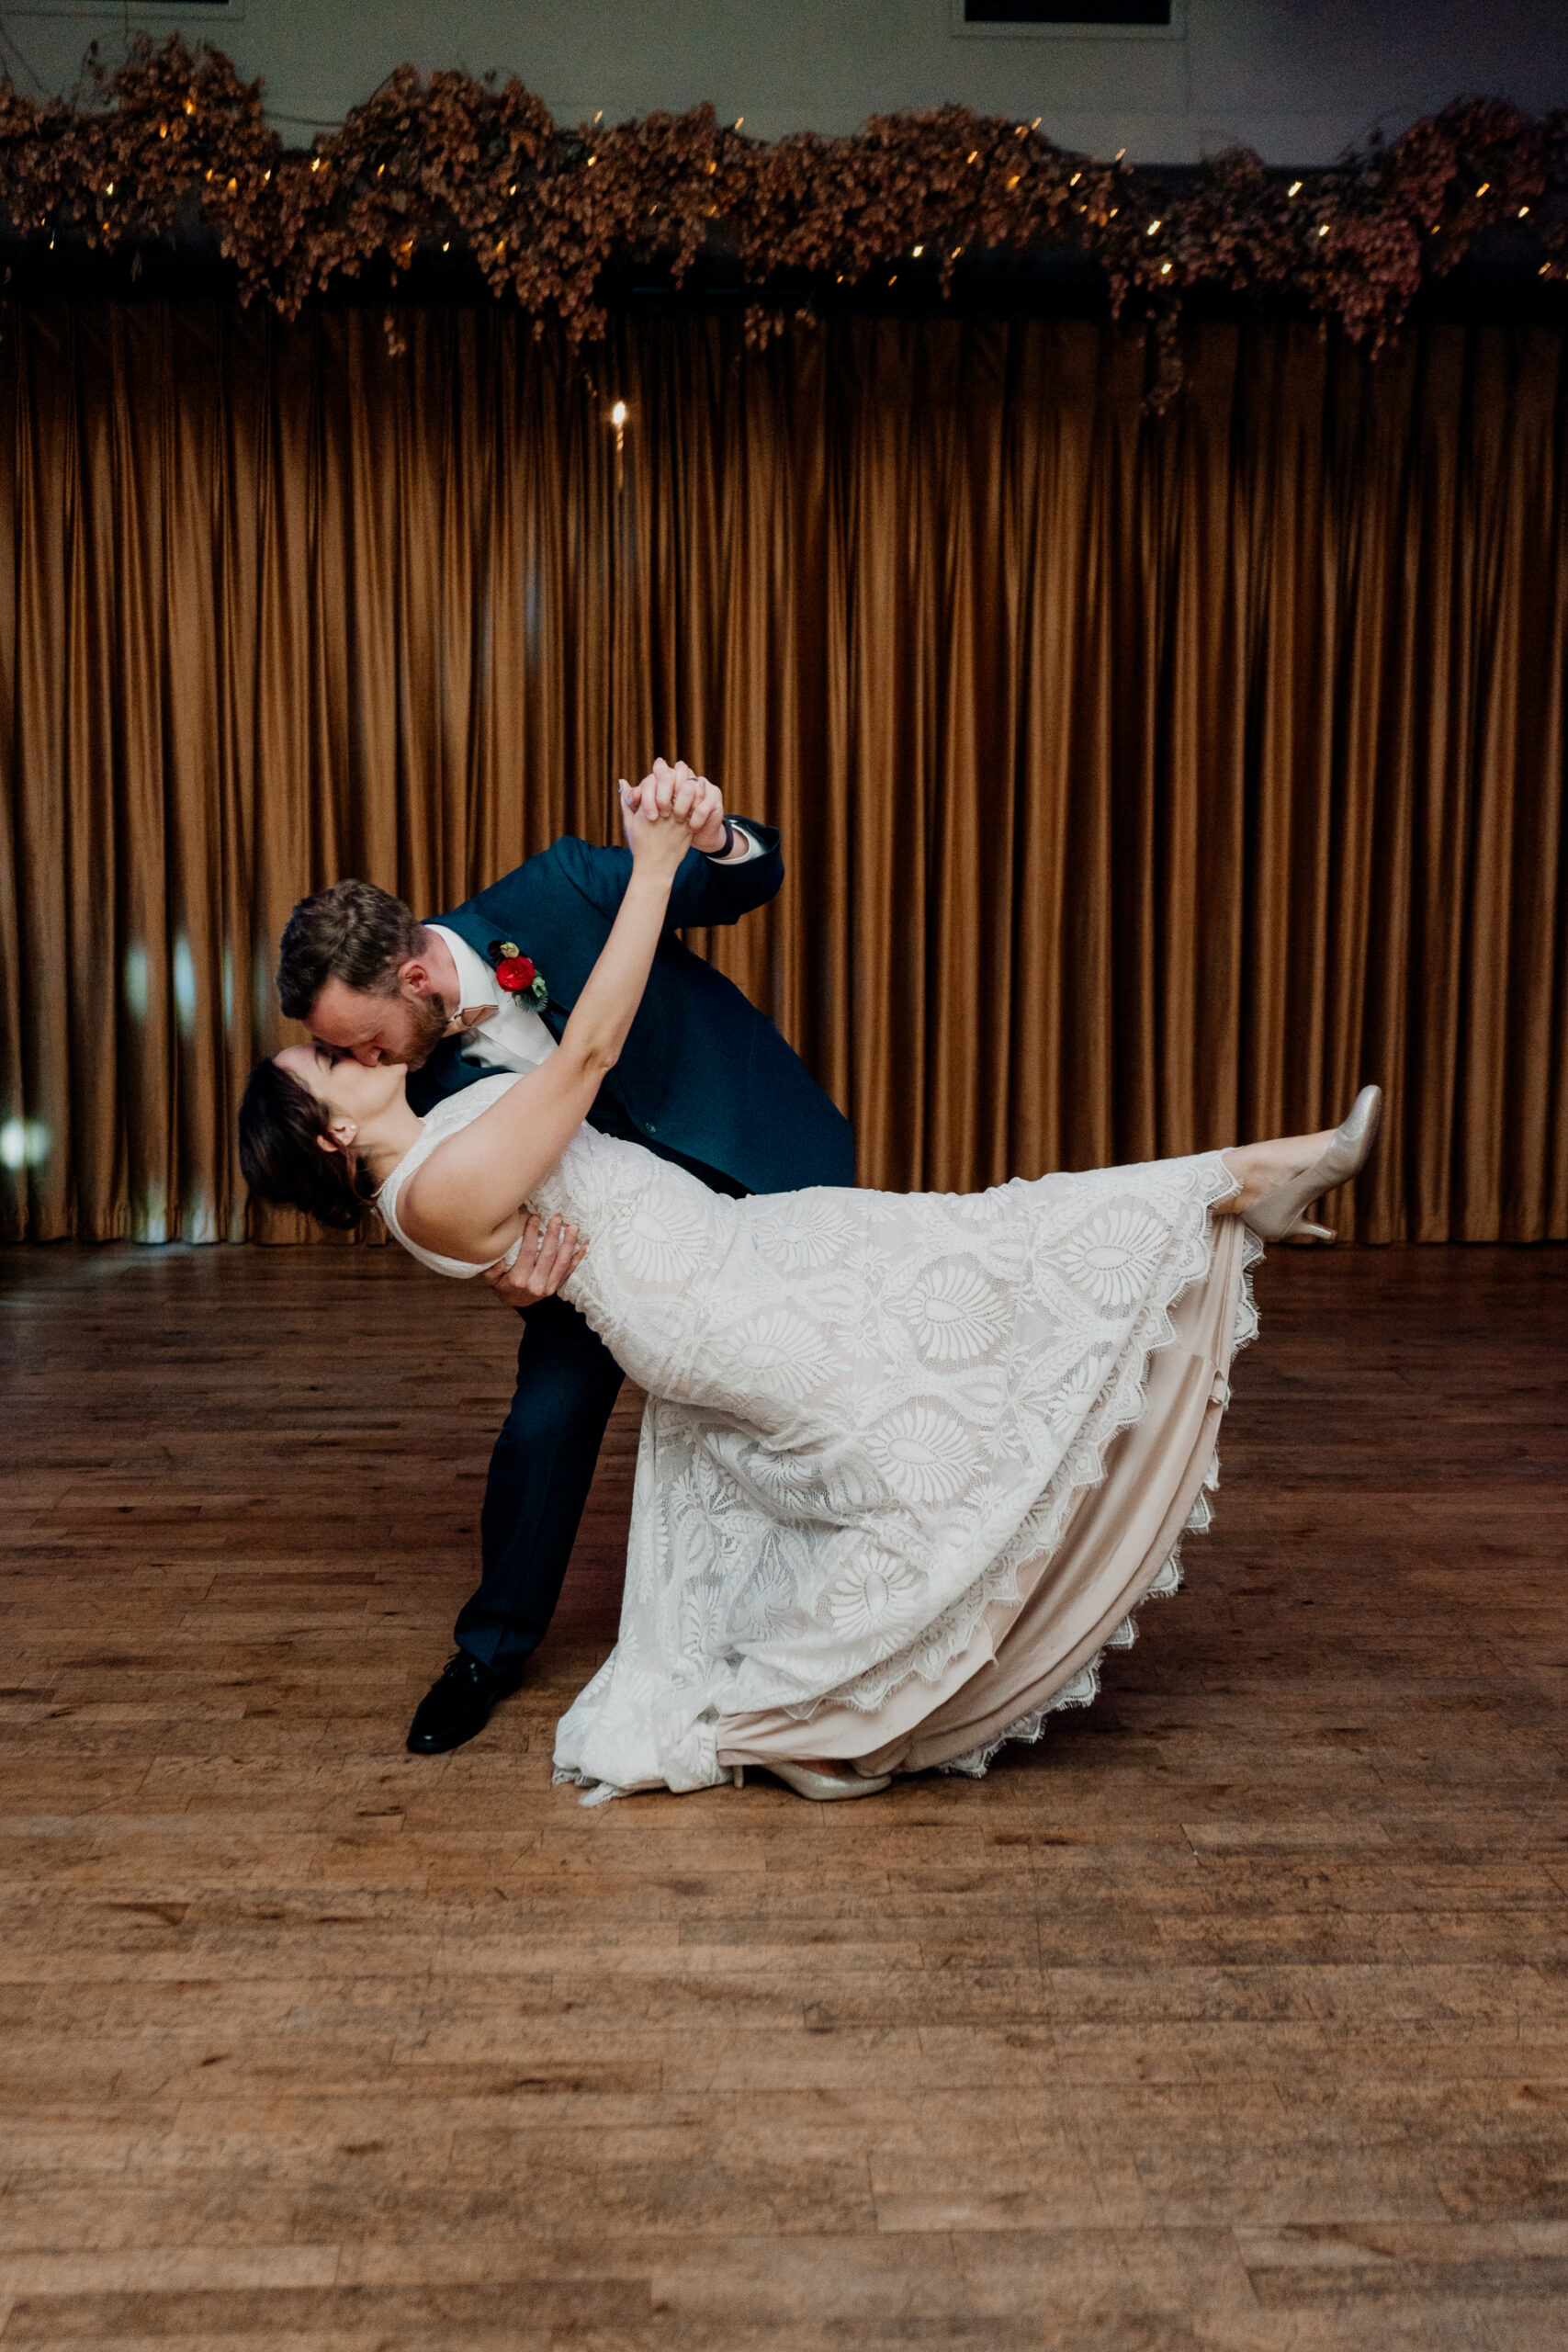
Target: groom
x: 703, y: 1079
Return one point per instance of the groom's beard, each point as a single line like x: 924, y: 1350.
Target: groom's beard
x: 428, y: 1018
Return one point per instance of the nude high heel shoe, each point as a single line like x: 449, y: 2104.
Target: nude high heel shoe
x: 1278, y: 1215
x: 824, y: 1787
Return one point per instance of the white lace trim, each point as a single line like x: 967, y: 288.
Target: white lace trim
x: 951, y: 1634
x: 1130, y: 1404
x: 1084, y: 1687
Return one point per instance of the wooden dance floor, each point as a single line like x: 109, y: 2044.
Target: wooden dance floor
x: 1232, y: 2017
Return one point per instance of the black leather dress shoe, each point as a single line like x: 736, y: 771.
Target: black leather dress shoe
x: 456, y: 1706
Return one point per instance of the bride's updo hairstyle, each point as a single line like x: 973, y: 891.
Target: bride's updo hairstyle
x: 279, y: 1123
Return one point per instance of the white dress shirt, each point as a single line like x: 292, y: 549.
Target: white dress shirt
x: 504, y: 1033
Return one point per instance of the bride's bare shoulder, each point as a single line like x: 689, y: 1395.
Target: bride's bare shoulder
x: 435, y: 1206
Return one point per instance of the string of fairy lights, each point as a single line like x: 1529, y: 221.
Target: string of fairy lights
x: 445, y: 164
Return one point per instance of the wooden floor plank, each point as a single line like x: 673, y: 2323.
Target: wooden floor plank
x: 1234, y: 2015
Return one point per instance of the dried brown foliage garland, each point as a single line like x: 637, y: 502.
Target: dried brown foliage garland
x: 450, y: 163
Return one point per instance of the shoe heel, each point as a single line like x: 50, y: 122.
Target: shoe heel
x: 1280, y: 1216
x: 738, y: 1775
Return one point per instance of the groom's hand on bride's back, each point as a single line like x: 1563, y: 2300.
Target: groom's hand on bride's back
x: 551, y: 1253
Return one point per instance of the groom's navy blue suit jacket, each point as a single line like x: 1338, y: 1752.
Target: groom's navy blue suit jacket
x: 703, y: 1075
x: 705, y: 1078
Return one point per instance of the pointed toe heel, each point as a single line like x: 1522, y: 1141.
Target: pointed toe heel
x: 1280, y: 1215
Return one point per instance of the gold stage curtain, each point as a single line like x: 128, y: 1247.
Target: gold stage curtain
x: 1145, y: 783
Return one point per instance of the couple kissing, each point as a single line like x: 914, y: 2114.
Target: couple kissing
x: 908, y: 1463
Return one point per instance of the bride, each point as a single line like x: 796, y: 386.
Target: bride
x: 909, y: 1462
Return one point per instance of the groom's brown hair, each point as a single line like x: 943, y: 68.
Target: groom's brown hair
x: 356, y: 932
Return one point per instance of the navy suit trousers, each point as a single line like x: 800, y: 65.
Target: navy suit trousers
x: 539, y: 1476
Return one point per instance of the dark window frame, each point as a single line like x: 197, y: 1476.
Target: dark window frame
x: 1112, y: 15
x: 1076, y: 28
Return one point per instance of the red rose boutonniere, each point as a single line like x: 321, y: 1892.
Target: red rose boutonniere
x: 517, y: 974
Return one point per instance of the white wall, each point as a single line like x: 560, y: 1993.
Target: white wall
x: 1296, y: 79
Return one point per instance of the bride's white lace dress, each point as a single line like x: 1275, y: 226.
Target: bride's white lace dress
x: 872, y: 1419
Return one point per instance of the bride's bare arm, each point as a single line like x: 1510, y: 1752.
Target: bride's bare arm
x: 465, y: 1202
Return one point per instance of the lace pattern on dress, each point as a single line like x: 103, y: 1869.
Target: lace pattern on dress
x: 868, y: 1413
x: 1084, y: 1687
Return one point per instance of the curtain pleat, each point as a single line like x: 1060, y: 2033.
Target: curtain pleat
x: 1147, y: 783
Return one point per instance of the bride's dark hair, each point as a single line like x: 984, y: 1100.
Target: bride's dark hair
x: 280, y: 1122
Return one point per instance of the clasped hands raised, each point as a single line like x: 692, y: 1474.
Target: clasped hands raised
x: 553, y: 1252
x: 677, y: 792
